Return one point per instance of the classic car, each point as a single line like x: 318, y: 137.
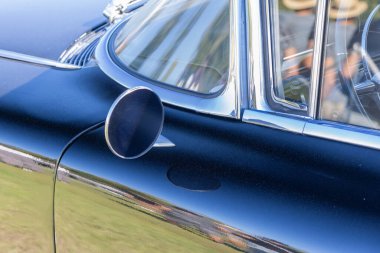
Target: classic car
x: 190, y: 126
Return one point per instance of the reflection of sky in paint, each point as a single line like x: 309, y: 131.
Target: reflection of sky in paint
x: 44, y: 28
x: 254, y: 210
x: 13, y: 69
x: 41, y: 109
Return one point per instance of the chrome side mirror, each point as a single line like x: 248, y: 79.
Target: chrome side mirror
x: 134, y: 123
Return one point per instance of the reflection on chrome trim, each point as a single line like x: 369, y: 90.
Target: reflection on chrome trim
x: 163, y: 142
x: 319, y: 56
x: 239, y: 45
x: 322, y: 129
x: 81, y: 51
x: 260, y: 59
x: 256, y: 55
x: 117, y: 9
x: 272, y: 28
x: 9, y: 55
x: 261, y: 55
x: 268, y: 119
x: 89, y: 203
x: 343, y: 133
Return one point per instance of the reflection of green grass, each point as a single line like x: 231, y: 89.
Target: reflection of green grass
x: 88, y: 220
x: 25, y: 210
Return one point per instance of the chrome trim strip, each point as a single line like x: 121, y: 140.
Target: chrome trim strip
x: 242, y: 87
x: 256, y: 48
x: 273, y: 120
x: 227, y: 104
x: 235, y: 53
x: 265, y: 116
x: 163, y: 142
x: 261, y: 64
x: 315, y: 128
x: 10, y: 55
x: 343, y: 133
x: 274, y: 63
x: 81, y: 51
x: 117, y: 9
x: 318, y: 57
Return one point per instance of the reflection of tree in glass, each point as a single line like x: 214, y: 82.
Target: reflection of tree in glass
x: 126, y: 35
x: 210, y: 64
x: 181, y: 43
x: 156, y: 41
x: 180, y: 38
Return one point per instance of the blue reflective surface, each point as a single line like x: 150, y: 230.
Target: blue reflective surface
x: 261, y: 188
x: 40, y: 111
x: 273, y: 185
x: 44, y: 28
x: 311, y: 194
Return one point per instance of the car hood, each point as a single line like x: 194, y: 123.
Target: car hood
x: 46, y: 28
x: 41, y: 109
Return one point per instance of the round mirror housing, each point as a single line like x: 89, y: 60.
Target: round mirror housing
x: 134, y: 123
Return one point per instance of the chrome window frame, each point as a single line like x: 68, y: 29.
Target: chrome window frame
x: 261, y: 61
x: 278, y: 103
x: 227, y: 103
x: 260, y: 73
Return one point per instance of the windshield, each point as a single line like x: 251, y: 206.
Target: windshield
x: 182, y: 43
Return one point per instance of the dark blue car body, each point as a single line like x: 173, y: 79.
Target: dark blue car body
x: 237, y: 186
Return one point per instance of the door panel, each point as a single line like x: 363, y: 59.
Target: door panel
x: 225, y: 187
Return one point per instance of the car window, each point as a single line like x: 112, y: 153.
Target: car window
x: 293, y: 30
x: 350, y: 92
x: 181, y: 43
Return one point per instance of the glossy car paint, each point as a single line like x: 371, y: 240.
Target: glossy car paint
x: 40, y: 111
x: 226, y: 186
x: 44, y: 28
x: 238, y: 185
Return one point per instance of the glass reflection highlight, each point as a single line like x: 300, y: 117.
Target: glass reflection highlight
x: 350, y: 92
x: 180, y: 43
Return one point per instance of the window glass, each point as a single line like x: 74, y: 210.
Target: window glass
x: 351, y: 84
x: 295, y: 22
x: 182, y: 43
